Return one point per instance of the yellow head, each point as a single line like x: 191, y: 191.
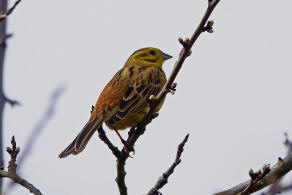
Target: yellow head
x: 149, y: 56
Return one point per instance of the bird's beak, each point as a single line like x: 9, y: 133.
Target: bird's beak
x: 166, y: 56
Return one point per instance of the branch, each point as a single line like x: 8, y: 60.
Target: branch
x: 4, y: 38
x: 104, y: 138
x: 11, y: 101
x: 281, y: 168
x: 163, y: 179
x: 9, y: 11
x: 42, y: 122
x: 137, y: 131
x: 11, y: 173
x: 40, y: 125
x: 277, y: 187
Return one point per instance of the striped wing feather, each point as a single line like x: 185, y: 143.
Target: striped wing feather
x: 146, y: 83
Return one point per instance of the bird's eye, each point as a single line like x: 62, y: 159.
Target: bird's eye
x: 152, y: 52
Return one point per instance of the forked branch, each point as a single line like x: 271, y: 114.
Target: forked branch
x: 137, y: 131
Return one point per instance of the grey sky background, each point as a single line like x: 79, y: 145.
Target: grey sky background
x: 234, y: 94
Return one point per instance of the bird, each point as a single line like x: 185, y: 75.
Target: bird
x: 124, y: 100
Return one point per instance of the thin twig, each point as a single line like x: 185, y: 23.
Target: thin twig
x: 164, y: 178
x: 9, y: 11
x: 4, y: 39
x: 11, y: 102
x: 104, y: 138
x: 288, y: 144
x: 40, y: 125
x: 139, y: 130
x: 11, y: 173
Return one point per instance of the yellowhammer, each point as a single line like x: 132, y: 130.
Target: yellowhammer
x: 123, y: 101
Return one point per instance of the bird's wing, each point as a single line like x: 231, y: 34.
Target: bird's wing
x: 145, y: 83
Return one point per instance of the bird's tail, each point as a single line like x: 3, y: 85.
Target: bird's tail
x: 79, y: 143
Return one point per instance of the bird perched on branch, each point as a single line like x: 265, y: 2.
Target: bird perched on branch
x: 124, y: 100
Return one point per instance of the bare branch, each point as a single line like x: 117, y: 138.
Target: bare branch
x: 163, y: 179
x: 281, y: 168
x: 11, y: 102
x: 121, y: 174
x: 11, y: 173
x: 137, y: 131
x: 9, y: 11
x: 273, y: 178
x: 4, y: 38
x: 277, y: 187
x: 104, y: 138
x: 40, y: 125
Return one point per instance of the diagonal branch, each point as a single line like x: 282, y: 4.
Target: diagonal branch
x: 278, y: 187
x: 281, y: 168
x: 42, y: 122
x: 137, y: 131
x: 40, y: 125
x: 9, y: 11
x: 104, y: 138
x: 163, y: 179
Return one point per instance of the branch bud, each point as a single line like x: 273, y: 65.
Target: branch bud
x: 266, y: 168
x: 209, y: 26
x: 185, y: 42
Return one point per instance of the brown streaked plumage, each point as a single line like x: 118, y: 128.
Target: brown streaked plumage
x: 123, y: 101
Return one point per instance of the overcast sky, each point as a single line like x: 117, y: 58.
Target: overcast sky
x: 234, y: 93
